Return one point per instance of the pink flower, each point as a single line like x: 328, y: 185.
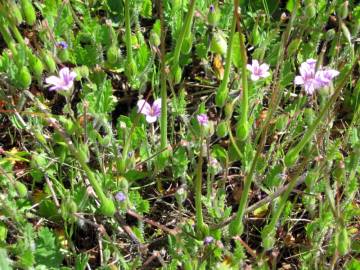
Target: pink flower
x: 65, y: 81
x: 151, y: 112
x: 258, y: 71
x: 307, y: 76
x: 202, y: 119
x: 325, y: 77
x: 312, y: 79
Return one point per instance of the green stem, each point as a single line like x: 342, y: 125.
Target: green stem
x: 184, y: 32
x: 236, y: 226
x: 243, y: 130
x: 128, y: 33
x: 293, y: 153
x: 163, y: 90
x: 222, y: 91
x: 198, y: 185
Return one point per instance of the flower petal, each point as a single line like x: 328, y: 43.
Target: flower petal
x: 249, y: 67
x: 255, y: 63
x: 64, y: 73
x: 157, y: 103
x: 151, y: 119
x: 264, y: 67
x: 299, y: 80
x: 53, y: 80
x: 254, y: 77
x: 72, y: 75
x: 265, y: 74
x: 143, y: 107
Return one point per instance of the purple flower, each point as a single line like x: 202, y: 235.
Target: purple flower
x: 325, y: 77
x: 208, y: 240
x: 307, y: 76
x: 62, y: 44
x: 258, y: 71
x: 211, y: 8
x: 151, y: 112
x: 120, y: 197
x: 65, y: 81
x: 312, y: 79
x: 202, y: 119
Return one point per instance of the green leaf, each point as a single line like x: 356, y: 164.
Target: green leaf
x: 47, y: 249
x: 180, y: 162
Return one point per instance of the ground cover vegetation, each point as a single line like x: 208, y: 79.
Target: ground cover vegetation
x: 179, y: 134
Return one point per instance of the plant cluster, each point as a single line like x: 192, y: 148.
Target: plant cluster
x: 179, y: 134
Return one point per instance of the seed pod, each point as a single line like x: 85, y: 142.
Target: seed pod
x: 63, y: 55
x: 112, y: 55
x: 154, y: 39
x: 221, y: 97
x: 222, y: 129
x: 29, y: 11
x: 36, y: 66
x: 218, y: 44
x: 187, y: 45
x: 242, y: 130
x: 107, y: 208
x: 310, y: 10
x: 49, y: 61
x: 15, y: 14
x: 228, y: 110
x: 21, y: 189
x: 131, y: 68
x: 255, y: 35
x: 176, y: 74
x: 24, y: 77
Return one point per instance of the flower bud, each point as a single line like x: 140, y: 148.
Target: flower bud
x: 24, y: 77
x: 187, y: 44
x: 29, y: 12
x: 112, y: 55
x: 176, y: 74
x: 242, y: 130
x: 222, y: 129
x: 228, y: 110
x: 154, y: 39
x: 310, y: 10
x: 213, y: 15
x: 221, y: 96
x: 49, y: 61
x: 15, y: 14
